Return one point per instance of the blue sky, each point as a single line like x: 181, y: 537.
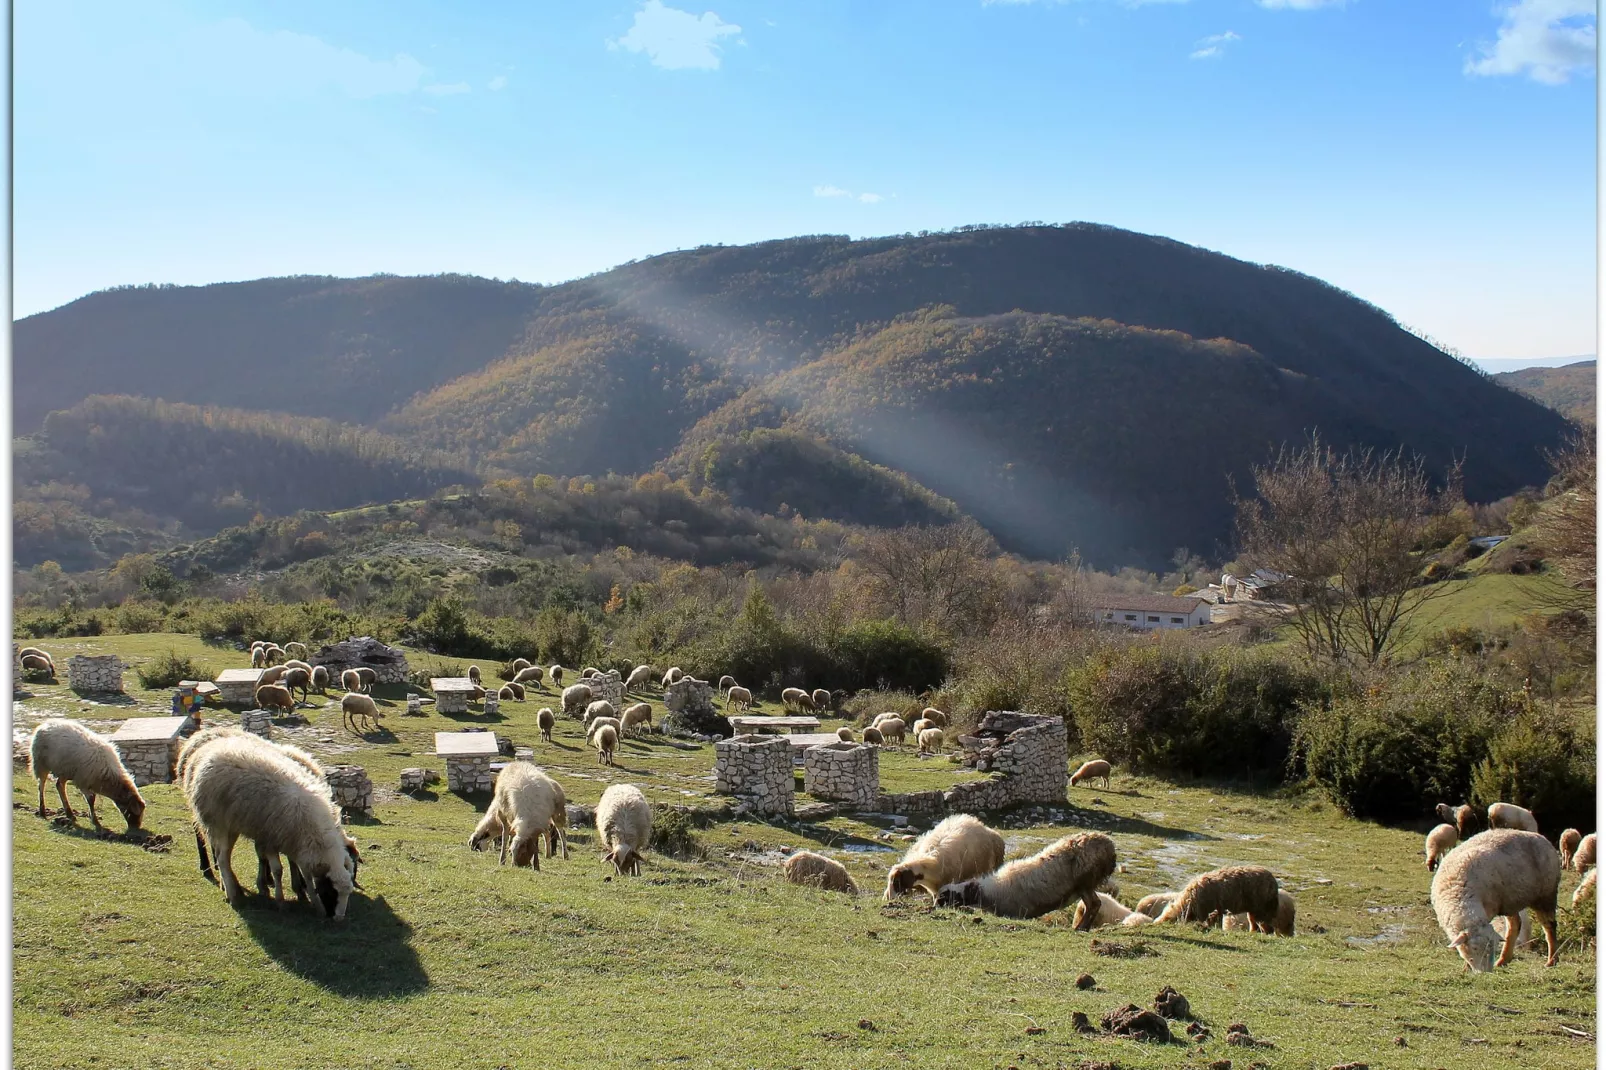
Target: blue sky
x: 1436, y: 157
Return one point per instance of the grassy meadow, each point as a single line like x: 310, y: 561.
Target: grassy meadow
x: 125, y: 957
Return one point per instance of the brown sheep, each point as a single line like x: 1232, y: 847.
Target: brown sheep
x: 1248, y: 890
x: 275, y: 697
x: 827, y: 874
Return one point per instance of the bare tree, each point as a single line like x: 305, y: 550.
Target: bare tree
x: 936, y: 577
x: 1346, y: 531
x: 1566, y: 524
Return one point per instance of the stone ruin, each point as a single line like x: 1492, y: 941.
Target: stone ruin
x: 351, y: 788
x: 259, y: 722
x: 757, y: 770
x: 1027, y: 755
x: 363, y: 652
x: 491, y: 702
x: 417, y: 779
x: 690, y: 705
x: 850, y: 772
x: 609, y: 685
x: 101, y: 673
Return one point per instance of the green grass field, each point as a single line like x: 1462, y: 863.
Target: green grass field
x: 128, y: 958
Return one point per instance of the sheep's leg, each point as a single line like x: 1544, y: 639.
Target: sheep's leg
x: 502, y: 843
x: 200, y: 849
x: 1548, y: 921
x: 66, y: 807
x: 223, y: 855
x: 264, y: 874
x: 276, y: 868
x: 1091, y: 901
x: 1513, y: 930
x: 90, y: 797
x: 298, y: 883
x: 42, y: 794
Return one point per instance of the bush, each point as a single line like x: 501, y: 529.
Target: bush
x: 1545, y: 762
x: 138, y: 617
x: 862, y: 707
x: 168, y: 669
x: 885, y: 654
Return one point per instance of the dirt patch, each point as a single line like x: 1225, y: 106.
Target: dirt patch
x: 1135, y: 1022
x: 1137, y: 949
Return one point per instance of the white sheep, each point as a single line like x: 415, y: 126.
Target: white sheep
x: 921, y: 725
x: 1097, y: 769
x: 598, y: 723
x: 624, y: 827
x: 320, y: 679
x: 739, y: 695
x: 1498, y: 873
x: 1248, y: 890
x: 637, y: 713
x: 355, y: 706
x: 1585, y: 889
x: 930, y: 741
x: 821, y: 698
x: 575, y: 699
x: 1567, y: 844
x: 1440, y: 842
x: 298, y: 649
x: 600, y: 708
x: 873, y: 736
x: 516, y: 666
x: 1510, y: 816
x: 544, y: 720
x: 798, y: 698
x: 932, y: 713
x: 1110, y: 912
x: 588, y: 672
x: 368, y: 677
x: 956, y: 849
x: 816, y: 870
x: 521, y: 814
x: 891, y: 730
x: 1136, y: 918
x: 259, y: 656
x: 605, y: 740
x: 1072, y: 868
x: 845, y: 735
x: 351, y: 679
x: 274, y: 697
x: 639, y: 677
x: 671, y: 675
x: 1154, y: 905
x: 1283, y: 925
x: 517, y: 689
x: 75, y: 754
x: 530, y: 674
x: 474, y: 674
x: 271, y: 675
x: 725, y: 683
x: 555, y: 674
x: 1584, y: 857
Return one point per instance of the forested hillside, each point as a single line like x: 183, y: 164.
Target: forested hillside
x: 1570, y: 389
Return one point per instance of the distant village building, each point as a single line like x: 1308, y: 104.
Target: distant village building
x: 1148, y: 612
x: 1262, y: 583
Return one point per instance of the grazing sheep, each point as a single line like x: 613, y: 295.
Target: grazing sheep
x: 1110, y: 912
x: 1446, y: 813
x: 873, y: 736
x: 726, y: 683
x: 891, y: 730
x: 1248, y: 890
x: 355, y: 705
x: 597, y: 723
x: 575, y: 699
x: 35, y: 663
x: 1585, y: 889
x: 517, y: 689
x: 1097, y: 769
x: 1136, y: 918
x: 474, y: 675
x: 956, y: 849
x: 351, y: 680
x: 74, y: 753
x: 1584, y: 857
x: 297, y: 663
x: 588, y: 672
x: 557, y: 833
x: 521, y: 814
x: 605, y: 740
x: 930, y: 741
x: 242, y: 786
x: 297, y: 680
x: 273, y: 654
x: 739, y: 695
x: 544, y: 719
x: 639, y: 677
x: 932, y: 713
x: 1510, y: 816
x: 1072, y: 868
x: 516, y: 666
x: 530, y: 675
x: 624, y: 825
x: 821, y: 699
x: 797, y: 697
x: 827, y: 874
x: 1466, y: 821
x: 886, y: 717
x: 845, y: 735
x: 259, y: 657
x: 320, y: 679
x: 921, y: 725
x: 1154, y: 905
x: 600, y: 708
x: 271, y: 675
x: 1566, y: 845
x: 1440, y: 842
x: 555, y: 674
x: 635, y: 714
x: 1497, y: 874
x: 1282, y: 926
x: 37, y: 652
x: 275, y: 697
x: 298, y: 649
x: 369, y: 678
x: 672, y: 674
x: 504, y: 694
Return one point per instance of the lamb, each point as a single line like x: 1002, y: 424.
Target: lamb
x: 240, y: 786
x: 821, y: 698
x: 635, y: 714
x: 275, y: 697
x: 474, y: 675
x: 726, y: 683
x: 1248, y: 890
x: 74, y: 753
x: 1584, y: 857
x: 921, y: 725
x: 1566, y: 845
x: 1282, y: 926
x: 1097, y: 769
x: 575, y: 699
x: 624, y: 825
x: 672, y: 674
x: 956, y: 849
x: 873, y: 736
x: 530, y: 675
x: 320, y: 679
x: 555, y: 674
x: 932, y: 713
x: 1154, y: 905
x: 1510, y: 816
x: 845, y: 735
x: 1440, y: 842
x: 600, y: 708
x: 827, y: 874
x: 1499, y: 873
x: 639, y: 677
x: 517, y: 689
x: 1110, y: 912
x: 298, y: 679
x: 596, y: 725
x: 739, y: 695
x: 930, y: 741
x: 351, y: 680
x: 355, y: 706
x: 1585, y: 889
x: 891, y: 730
x: 1072, y: 868
x: 271, y: 675
x: 545, y: 720
x: 298, y: 649
x: 605, y: 740
x: 521, y: 814
x: 796, y: 696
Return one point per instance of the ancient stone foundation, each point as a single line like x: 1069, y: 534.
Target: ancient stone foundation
x: 258, y: 721
x: 351, y: 787
x: 1025, y: 753
x: 363, y: 652
x: 757, y: 770
x: 847, y: 771
x: 608, y: 685
x: 101, y: 673
x: 418, y: 779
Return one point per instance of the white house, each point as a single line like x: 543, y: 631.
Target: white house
x: 1148, y: 612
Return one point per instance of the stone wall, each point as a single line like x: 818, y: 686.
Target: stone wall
x: 1027, y: 756
x: 913, y: 804
x: 757, y: 770
x: 148, y: 761
x: 469, y: 773
x: 690, y: 705
x: 259, y: 722
x: 101, y: 673
x: 363, y: 652
x: 418, y: 778
x: 608, y: 686
x: 847, y: 771
x: 351, y: 787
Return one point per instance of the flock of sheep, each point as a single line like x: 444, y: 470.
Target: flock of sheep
x: 240, y: 785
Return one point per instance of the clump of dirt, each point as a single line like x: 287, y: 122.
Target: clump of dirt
x: 1081, y: 1023
x: 1135, y: 1022
x: 1238, y: 1035
x: 1171, y: 1004
x: 1085, y: 981
x: 1135, y: 950
x: 157, y: 845
x: 1352, y: 1066
x: 1199, y: 1031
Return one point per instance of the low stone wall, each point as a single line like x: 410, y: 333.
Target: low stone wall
x: 417, y: 779
x: 351, y: 787
x: 912, y: 804
x: 470, y: 773
x: 148, y: 761
x: 850, y: 772
x: 102, y: 673
x: 259, y: 722
x: 1027, y: 756
x: 608, y: 686
x: 690, y: 706
x: 757, y: 770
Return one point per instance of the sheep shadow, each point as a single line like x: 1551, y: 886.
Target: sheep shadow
x: 837, y: 840
x: 1137, y: 826
x: 572, y: 749
x: 367, y: 956
x: 377, y: 735
x: 62, y: 825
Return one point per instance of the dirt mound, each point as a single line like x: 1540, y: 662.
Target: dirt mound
x: 1135, y: 1022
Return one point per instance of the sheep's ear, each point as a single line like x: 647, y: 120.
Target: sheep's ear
x: 1460, y: 940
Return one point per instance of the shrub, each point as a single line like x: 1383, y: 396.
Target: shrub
x: 138, y: 617
x: 862, y: 707
x: 673, y: 834
x: 1543, y: 761
x: 885, y: 654
x: 168, y: 669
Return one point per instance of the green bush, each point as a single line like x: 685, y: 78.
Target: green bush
x: 168, y: 669
x: 884, y: 654
x: 138, y: 617
x: 1546, y: 762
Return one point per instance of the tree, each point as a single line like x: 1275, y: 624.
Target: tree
x: 1345, y: 530
x: 1566, y: 525
x: 936, y: 577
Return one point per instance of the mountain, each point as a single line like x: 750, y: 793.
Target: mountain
x: 1071, y: 386
x: 1570, y: 389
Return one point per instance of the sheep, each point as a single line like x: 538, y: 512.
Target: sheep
x: 921, y: 725
x: 517, y: 689
x: 639, y: 677
x: 1248, y: 890
x: 351, y: 680
x: 1110, y: 912
x: 1136, y: 918
x: 545, y: 720
x: 600, y: 708
x: 1466, y: 821
x: 726, y: 683
x: 1072, y: 868
x: 474, y: 675
x: 320, y: 679
x: 1584, y: 857
x: 557, y: 832
x: 739, y: 695
x: 821, y: 698
x: 1154, y: 905
x: 624, y: 826
x: 1566, y: 844
x: 845, y: 735
x: 369, y: 678
x: 258, y: 657
x: 555, y: 674
x: 297, y: 679
x: 74, y: 753
x: 274, y: 696
x: 272, y: 654
x: 886, y: 717
x: 932, y: 713
x: 521, y: 814
x: 575, y: 699
x: 930, y: 741
x: 35, y: 663
x: 37, y: 652
x: 271, y: 675
x: 1585, y: 889
x: 241, y: 786
x: 1498, y: 873
x: 299, y: 649
x: 596, y: 726
x: 635, y: 714
x: 530, y: 675
x: 297, y: 663
x: 1440, y: 842
x: 355, y: 705
x: 1510, y: 816
x: 956, y: 849
x: 873, y: 736
x: 796, y: 696
x: 588, y: 672
x: 1283, y: 925
x: 503, y: 694
x: 891, y: 730
x: 672, y: 674
x: 827, y: 874
x: 1446, y: 813
x: 605, y: 740
x: 1097, y: 769
x: 514, y: 667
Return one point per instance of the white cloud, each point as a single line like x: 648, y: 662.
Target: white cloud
x: 1548, y: 40
x: 499, y: 82
x: 838, y: 191
x: 233, y: 54
x: 447, y: 90
x: 1213, y: 47
x: 1299, y: 5
x: 677, y: 40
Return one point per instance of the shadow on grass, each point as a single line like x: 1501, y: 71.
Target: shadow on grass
x: 471, y: 717
x: 1137, y: 826
x: 141, y: 838
x: 367, y: 956
x: 828, y: 837
x: 104, y: 698
x: 377, y: 735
